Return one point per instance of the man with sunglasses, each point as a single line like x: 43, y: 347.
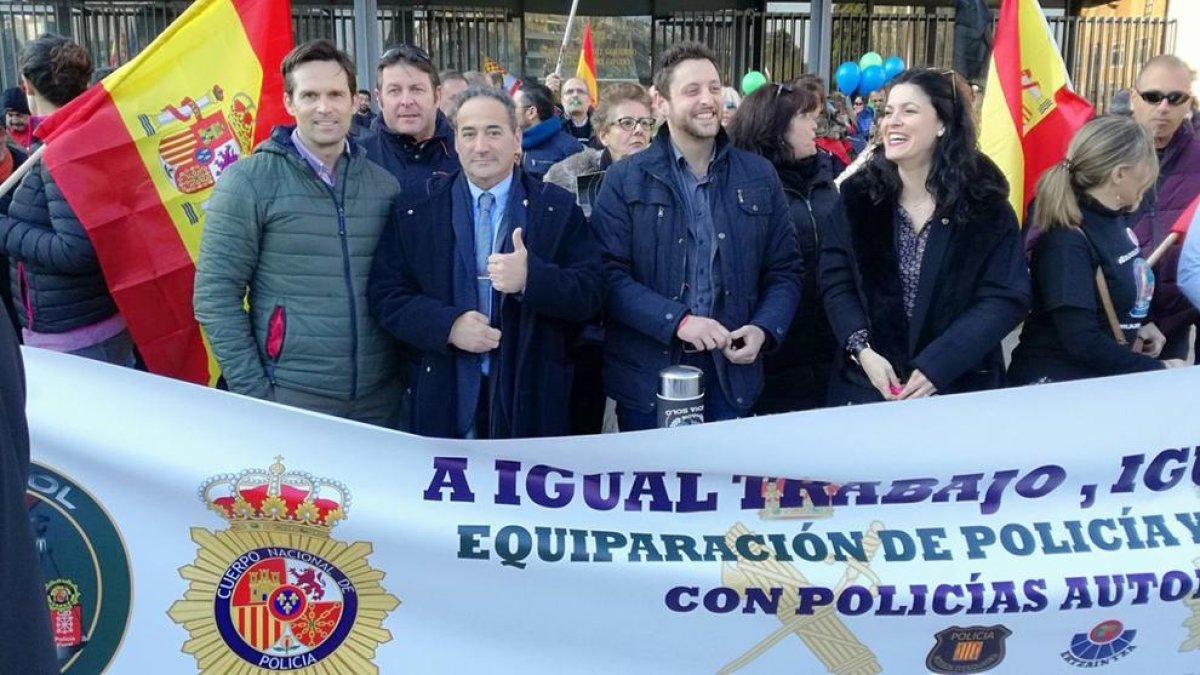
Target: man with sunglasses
x: 411, y: 137
x: 1161, y: 100
x: 699, y: 251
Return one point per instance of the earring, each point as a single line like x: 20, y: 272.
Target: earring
x: 941, y: 132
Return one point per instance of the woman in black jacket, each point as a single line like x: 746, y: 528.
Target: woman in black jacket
x: 779, y: 122
x: 1082, y: 214
x: 59, y: 293
x: 926, y: 275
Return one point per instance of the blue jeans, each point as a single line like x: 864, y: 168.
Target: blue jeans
x: 716, y: 406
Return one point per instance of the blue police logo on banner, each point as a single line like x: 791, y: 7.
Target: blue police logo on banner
x: 286, y: 597
x: 85, y: 567
x: 1105, y: 643
x: 969, y: 649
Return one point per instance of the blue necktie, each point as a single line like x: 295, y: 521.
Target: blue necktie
x: 483, y: 249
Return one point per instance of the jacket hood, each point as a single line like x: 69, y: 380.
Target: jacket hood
x: 541, y: 132
x: 804, y: 175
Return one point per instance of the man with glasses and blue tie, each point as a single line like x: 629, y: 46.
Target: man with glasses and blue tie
x: 489, y: 280
x: 1161, y: 100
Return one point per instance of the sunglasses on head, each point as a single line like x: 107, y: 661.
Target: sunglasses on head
x: 949, y: 74
x: 408, y: 53
x: 630, y: 123
x: 1174, y: 98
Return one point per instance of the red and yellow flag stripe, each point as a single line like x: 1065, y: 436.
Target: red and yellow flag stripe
x: 1030, y: 112
x: 137, y: 155
x: 586, y: 70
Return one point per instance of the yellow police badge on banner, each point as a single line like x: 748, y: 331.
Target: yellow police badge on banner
x: 274, y: 591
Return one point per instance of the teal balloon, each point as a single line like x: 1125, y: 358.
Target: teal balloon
x: 751, y: 81
x: 847, y: 77
x: 893, y: 67
x: 870, y: 59
x: 873, y: 78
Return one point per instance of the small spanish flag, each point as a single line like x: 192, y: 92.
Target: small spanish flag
x: 1030, y: 112
x: 1188, y: 218
x: 586, y: 70
x: 138, y: 154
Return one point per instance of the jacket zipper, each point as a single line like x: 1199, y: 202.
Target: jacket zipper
x: 348, y: 278
x: 26, y: 296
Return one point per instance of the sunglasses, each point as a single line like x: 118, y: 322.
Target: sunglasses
x: 780, y: 88
x: 949, y: 74
x: 1172, y: 97
x: 408, y: 53
x: 630, y: 123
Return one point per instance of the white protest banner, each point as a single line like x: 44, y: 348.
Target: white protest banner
x: 1038, y: 530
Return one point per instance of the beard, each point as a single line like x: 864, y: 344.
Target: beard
x: 692, y: 127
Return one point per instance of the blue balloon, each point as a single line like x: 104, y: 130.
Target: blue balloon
x: 893, y: 67
x: 872, y: 79
x: 847, y: 77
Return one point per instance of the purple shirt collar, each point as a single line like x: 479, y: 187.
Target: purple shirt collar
x: 326, y: 174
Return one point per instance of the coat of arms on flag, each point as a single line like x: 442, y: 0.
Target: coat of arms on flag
x: 282, y: 595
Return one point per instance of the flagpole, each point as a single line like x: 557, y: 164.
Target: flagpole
x: 566, y: 37
x: 1154, y: 257
x: 19, y: 173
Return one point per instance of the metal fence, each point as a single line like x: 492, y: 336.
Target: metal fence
x: 1102, y: 54
x: 735, y: 35
x: 114, y: 31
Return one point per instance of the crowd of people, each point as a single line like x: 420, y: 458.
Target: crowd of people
x: 474, y: 261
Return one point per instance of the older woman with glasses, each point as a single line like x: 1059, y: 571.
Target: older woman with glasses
x: 779, y: 122
x: 624, y: 125
x: 926, y: 275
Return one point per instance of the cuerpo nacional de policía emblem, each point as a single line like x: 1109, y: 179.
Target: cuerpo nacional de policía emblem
x: 274, y: 591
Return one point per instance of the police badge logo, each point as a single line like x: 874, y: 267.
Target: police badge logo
x: 1106, y: 642
x: 85, y: 568
x: 274, y: 590
x: 970, y: 649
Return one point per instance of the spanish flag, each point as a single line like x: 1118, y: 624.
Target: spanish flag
x: 138, y: 154
x: 586, y: 70
x: 1030, y: 112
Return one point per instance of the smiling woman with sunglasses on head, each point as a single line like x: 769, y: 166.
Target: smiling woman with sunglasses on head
x: 927, y: 275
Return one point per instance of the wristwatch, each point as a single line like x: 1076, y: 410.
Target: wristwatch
x: 858, y: 341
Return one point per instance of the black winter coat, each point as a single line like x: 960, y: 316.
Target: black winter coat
x: 974, y: 288
x: 56, y: 281
x: 415, y: 295
x: 796, y: 376
x: 25, y: 641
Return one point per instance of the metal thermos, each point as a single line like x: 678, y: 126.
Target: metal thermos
x: 680, y: 396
